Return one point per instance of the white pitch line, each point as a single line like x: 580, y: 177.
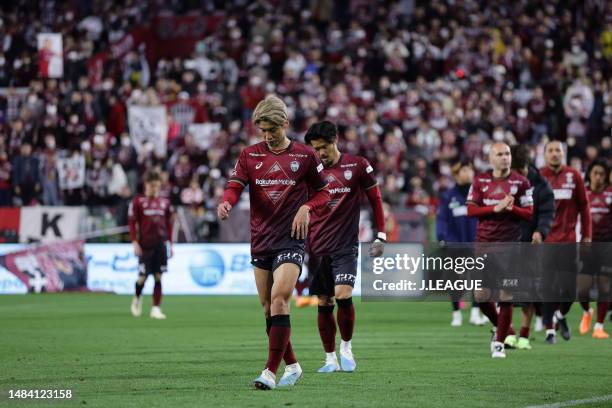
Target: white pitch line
x: 573, y: 403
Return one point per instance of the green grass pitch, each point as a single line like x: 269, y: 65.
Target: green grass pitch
x: 210, y: 349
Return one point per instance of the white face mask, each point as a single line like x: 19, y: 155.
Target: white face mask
x: 125, y: 142
x: 98, y: 139
x: 51, y: 144
x: 85, y: 146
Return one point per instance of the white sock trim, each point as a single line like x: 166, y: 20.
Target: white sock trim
x: 331, y: 356
x: 599, y: 326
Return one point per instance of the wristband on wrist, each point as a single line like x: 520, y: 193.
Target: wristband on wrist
x: 381, y: 236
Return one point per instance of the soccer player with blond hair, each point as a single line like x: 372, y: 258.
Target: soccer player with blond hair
x: 279, y: 173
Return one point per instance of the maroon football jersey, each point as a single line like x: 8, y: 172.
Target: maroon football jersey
x: 336, y: 227
x: 149, y: 220
x: 487, y: 190
x: 570, y: 200
x: 278, y: 187
x: 601, y: 214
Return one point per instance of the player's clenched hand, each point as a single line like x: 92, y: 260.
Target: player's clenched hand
x: 299, y: 228
x: 137, y: 248
x: 377, y: 248
x: 223, y: 210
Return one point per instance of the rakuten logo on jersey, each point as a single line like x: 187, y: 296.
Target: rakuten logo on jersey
x: 269, y: 182
x: 339, y: 190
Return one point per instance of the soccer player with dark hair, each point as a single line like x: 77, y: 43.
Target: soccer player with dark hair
x: 454, y: 225
x: 500, y: 198
x: 597, y: 263
x: 570, y: 201
x: 534, y: 231
x: 150, y: 224
x: 334, y: 241
x: 279, y: 174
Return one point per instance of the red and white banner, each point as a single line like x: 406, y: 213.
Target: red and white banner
x: 50, y: 55
x: 49, y: 268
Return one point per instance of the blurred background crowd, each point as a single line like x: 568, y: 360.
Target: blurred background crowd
x: 413, y: 86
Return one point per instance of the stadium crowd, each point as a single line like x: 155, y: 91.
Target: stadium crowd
x: 412, y: 85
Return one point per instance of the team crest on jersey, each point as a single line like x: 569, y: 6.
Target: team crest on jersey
x: 513, y: 190
x: 569, y: 177
x: 294, y: 166
x: 348, y: 174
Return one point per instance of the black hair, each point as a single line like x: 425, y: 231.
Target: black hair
x: 520, y: 157
x: 152, y: 175
x: 459, y: 164
x: 598, y: 162
x: 325, y: 130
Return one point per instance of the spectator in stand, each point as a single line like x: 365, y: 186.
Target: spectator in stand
x: 403, y: 80
x: 6, y: 194
x: 26, y: 176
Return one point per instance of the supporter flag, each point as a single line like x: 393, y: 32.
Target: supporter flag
x: 9, y: 224
x: 71, y: 172
x: 50, y: 224
x: 148, y: 128
x: 50, y: 268
x: 50, y: 55
x: 204, y: 134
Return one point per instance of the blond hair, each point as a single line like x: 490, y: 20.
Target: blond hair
x: 272, y: 109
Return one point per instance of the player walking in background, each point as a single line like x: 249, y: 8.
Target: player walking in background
x: 334, y: 241
x: 279, y: 173
x: 500, y: 198
x: 150, y: 223
x: 453, y: 225
x: 597, y: 262
x: 534, y: 231
x: 570, y: 200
